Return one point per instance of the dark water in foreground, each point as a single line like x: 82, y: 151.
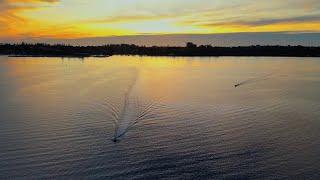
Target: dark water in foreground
x: 173, y: 118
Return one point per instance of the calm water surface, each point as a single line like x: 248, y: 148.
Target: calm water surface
x: 173, y: 118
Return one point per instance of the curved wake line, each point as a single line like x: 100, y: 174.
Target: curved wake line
x: 143, y: 115
x: 132, y: 112
x: 122, y: 115
x: 253, y: 80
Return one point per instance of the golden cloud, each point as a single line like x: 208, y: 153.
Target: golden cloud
x: 32, y: 1
x: 11, y: 21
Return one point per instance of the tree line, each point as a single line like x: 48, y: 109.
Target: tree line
x: 191, y: 49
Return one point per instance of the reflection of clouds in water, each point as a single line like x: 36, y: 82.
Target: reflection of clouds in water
x: 63, y: 121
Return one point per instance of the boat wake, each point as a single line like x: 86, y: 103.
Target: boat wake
x: 132, y: 110
x: 253, y: 80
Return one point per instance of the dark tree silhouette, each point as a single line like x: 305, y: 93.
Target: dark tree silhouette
x: 191, y: 49
x: 191, y: 45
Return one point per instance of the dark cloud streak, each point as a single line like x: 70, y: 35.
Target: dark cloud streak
x: 263, y: 22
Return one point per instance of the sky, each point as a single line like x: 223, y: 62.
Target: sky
x: 77, y: 19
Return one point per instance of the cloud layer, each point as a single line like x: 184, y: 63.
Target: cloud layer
x: 82, y: 18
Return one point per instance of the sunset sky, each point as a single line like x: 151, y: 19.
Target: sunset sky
x: 66, y: 19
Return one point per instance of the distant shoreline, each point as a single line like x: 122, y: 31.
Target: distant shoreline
x: 60, y: 56
x: 190, y: 50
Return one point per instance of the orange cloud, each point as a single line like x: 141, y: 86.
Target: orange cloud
x: 12, y: 23
x: 32, y: 1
